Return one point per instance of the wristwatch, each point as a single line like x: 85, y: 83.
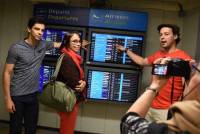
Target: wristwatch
x: 152, y: 89
x: 125, y: 50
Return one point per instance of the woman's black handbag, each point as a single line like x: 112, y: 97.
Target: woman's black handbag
x: 56, y: 94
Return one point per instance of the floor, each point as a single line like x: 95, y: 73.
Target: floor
x: 4, y: 129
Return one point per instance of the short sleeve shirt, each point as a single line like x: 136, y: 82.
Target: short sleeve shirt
x: 27, y: 61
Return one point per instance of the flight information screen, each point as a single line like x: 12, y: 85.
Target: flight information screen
x: 55, y: 35
x: 102, y: 48
x: 45, y: 74
x: 112, y: 85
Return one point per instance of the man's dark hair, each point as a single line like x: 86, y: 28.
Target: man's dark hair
x: 32, y: 21
x: 175, y: 30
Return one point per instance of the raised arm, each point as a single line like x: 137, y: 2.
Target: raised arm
x: 143, y: 103
x: 134, y: 57
x: 8, y: 69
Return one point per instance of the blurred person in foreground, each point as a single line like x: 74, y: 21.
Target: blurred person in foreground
x: 185, y: 114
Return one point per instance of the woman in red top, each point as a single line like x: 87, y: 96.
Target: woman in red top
x: 72, y: 74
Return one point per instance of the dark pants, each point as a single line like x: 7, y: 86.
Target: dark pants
x: 26, y: 110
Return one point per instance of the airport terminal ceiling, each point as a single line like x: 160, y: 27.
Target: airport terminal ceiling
x: 173, y: 5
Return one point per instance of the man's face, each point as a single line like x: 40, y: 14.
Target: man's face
x: 36, y: 32
x: 167, y: 38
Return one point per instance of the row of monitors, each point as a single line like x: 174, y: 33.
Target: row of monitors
x: 107, y: 84
x: 102, y: 50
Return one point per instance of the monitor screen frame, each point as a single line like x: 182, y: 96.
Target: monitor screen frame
x: 42, y: 81
x: 114, y: 32
x: 105, y: 69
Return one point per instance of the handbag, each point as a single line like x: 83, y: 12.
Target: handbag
x: 56, y: 94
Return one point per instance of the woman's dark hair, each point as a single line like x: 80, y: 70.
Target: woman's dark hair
x: 32, y: 21
x: 66, y: 39
x: 175, y: 30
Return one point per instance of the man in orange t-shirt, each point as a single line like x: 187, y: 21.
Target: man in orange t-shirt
x: 169, y: 38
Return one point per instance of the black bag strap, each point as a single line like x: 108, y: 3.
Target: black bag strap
x: 58, y: 64
x: 172, y: 90
x: 183, y: 91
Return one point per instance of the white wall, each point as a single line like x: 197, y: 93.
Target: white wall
x: 93, y: 117
x: 190, y: 32
x: 10, y: 31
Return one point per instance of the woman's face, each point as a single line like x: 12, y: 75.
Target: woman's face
x: 75, y: 43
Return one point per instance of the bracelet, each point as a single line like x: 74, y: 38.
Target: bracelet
x: 126, y: 49
x: 152, y: 89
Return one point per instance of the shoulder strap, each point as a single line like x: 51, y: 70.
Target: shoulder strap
x: 58, y: 64
x: 182, y: 96
x: 172, y: 90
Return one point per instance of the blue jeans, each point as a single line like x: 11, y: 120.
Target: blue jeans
x: 27, y: 107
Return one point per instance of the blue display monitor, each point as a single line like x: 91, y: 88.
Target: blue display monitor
x: 102, y: 50
x: 108, y: 84
x: 56, y: 34
x: 45, y: 74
